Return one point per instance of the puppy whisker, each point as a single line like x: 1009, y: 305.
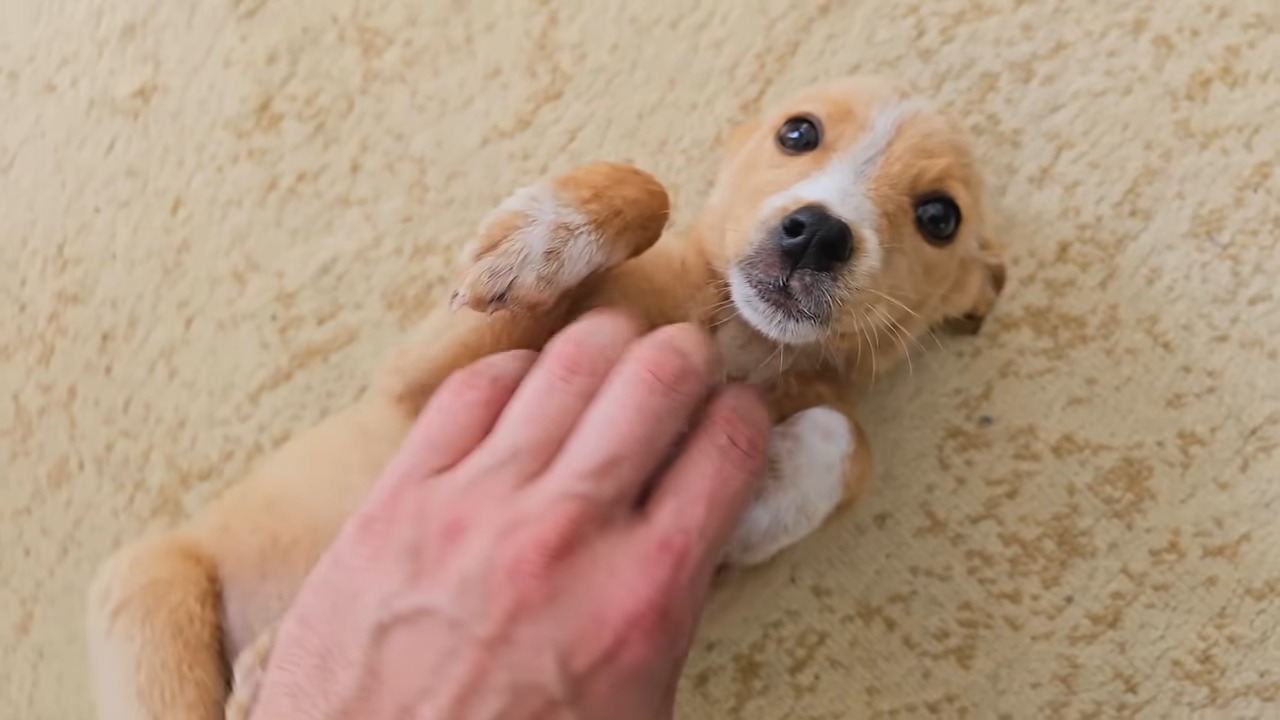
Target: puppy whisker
x: 913, y: 313
x: 906, y: 332
x: 769, y: 359
x: 857, y: 326
x: 892, y: 326
x: 723, y: 320
x: 873, y: 340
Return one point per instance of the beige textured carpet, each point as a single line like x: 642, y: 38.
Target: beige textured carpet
x: 215, y: 216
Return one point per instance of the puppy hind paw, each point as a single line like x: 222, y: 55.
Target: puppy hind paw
x: 246, y: 676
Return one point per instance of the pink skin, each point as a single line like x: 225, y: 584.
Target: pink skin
x: 503, y: 567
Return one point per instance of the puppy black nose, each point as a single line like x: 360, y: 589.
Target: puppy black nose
x: 813, y: 239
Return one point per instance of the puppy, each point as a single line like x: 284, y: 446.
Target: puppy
x: 842, y: 225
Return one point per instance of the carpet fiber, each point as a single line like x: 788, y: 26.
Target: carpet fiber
x: 215, y: 216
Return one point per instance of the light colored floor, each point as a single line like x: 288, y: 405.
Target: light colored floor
x: 214, y: 216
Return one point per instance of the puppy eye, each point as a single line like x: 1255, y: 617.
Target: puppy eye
x: 938, y: 218
x: 799, y: 135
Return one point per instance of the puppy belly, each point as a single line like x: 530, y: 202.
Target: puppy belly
x: 808, y: 457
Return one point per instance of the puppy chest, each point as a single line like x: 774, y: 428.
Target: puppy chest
x: 747, y: 357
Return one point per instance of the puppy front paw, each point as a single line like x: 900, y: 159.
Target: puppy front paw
x: 547, y: 238
x: 531, y: 249
x: 809, y: 454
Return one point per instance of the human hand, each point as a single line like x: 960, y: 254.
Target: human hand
x: 512, y: 562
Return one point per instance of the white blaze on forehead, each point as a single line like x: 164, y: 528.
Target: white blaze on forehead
x: 841, y: 185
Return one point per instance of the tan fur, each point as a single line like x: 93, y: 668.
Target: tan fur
x: 165, y: 615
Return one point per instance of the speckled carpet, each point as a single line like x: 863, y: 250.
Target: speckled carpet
x: 215, y: 216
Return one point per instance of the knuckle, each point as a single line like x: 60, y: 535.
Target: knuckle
x: 673, y: 369
x: 545, y: 536
x: 742, y: 439
x: 573, y: 360
x: 644, y: 630
x: 452, y: 529
x: 558, y: 525
x: 529, y: 564
x: 669, y: 554
x: 548, y: 534
x: 370, y: 531
x: 648, y: 623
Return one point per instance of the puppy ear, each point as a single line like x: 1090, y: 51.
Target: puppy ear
x: 979, y: 286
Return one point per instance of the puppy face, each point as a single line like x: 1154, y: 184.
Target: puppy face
x: 850, y: 211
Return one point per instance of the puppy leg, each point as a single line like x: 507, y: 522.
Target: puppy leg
x: 247, y: 676
x: 816, y: 462
x: 532, y: 256
x: 154, y: 634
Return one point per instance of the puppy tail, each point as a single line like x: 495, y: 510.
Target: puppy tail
x: 154, y: 634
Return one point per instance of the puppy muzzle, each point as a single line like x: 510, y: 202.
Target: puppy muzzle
x: 786, y: 287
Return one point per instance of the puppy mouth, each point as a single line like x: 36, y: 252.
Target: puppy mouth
x: 786, y: 286
x: 792, y: 307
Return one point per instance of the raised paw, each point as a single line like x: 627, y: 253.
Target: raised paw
x: 531, y: 249
x: 809, y: 456
x: 546, y: 238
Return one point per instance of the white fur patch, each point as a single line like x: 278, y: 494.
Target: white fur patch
x: 808, y: 455
x: 520, y: 264
x: 762, y: 316
x: 114, y: 648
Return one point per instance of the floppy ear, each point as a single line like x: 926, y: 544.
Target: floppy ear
x: 974, y: 295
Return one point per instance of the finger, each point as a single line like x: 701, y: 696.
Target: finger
x: 633, y: 424
x: 559, y: 387
x: 707, y: 487
x: 461, y: 413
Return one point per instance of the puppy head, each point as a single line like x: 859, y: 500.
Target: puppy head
x: 850, y: 209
